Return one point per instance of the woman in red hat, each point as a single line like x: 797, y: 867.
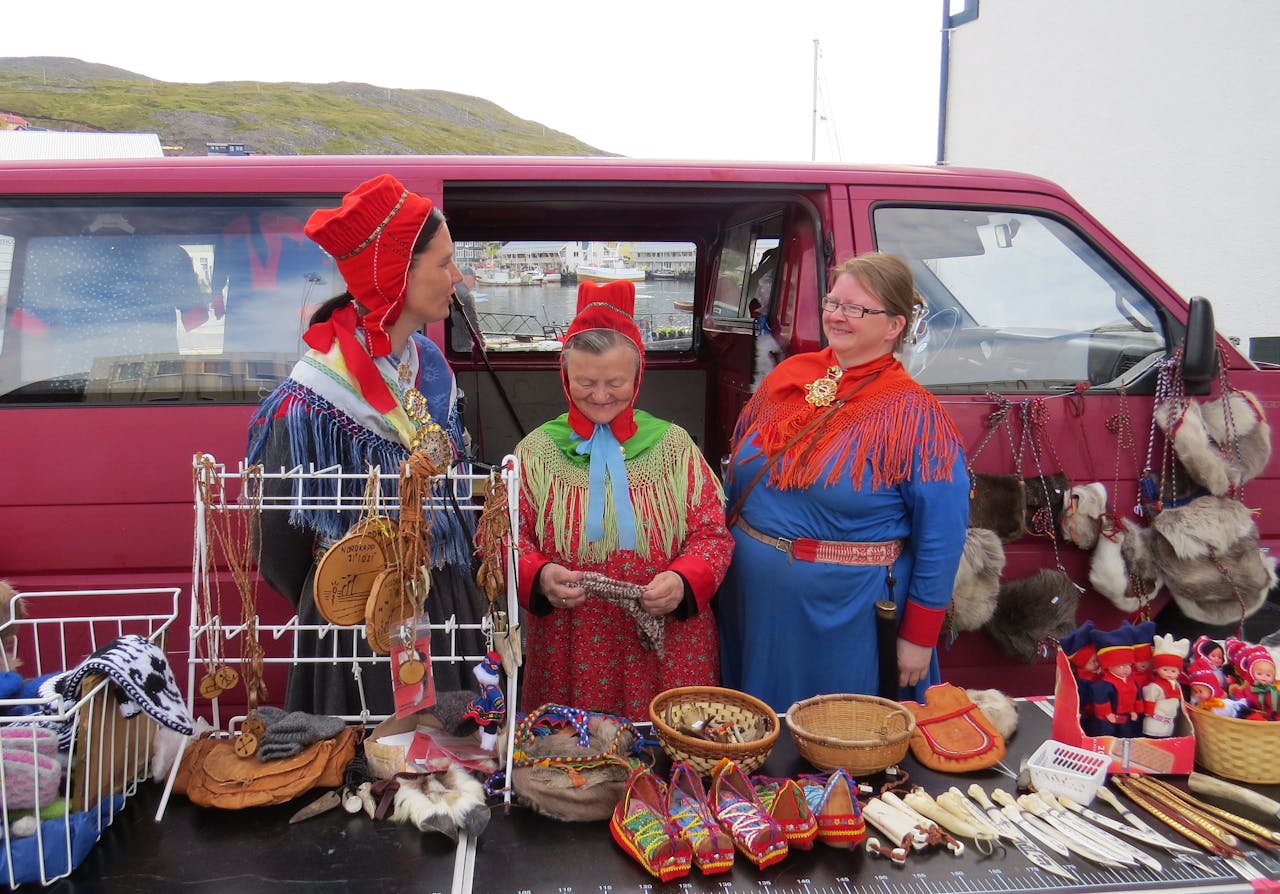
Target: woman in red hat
x: 846, y: 486
x: 608, y: 491
x: 353, y: 401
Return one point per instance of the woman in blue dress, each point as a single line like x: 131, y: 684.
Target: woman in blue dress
x: 847, y: 485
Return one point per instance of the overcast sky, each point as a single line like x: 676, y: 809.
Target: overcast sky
x: 705, y: 79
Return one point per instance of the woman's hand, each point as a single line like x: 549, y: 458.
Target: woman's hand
x: 663, y: 594
x: 559, y: 585
x: 913, y: 662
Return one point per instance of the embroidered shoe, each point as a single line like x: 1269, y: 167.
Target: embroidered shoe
x: 642, y: 829
x: 835, y: 805
x: 738, y: 810
x: 687, y: 806
x: 784, y: 800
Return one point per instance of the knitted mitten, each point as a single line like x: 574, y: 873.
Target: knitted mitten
x: 286, y: 734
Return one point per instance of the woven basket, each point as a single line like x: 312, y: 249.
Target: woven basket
x: 1244, y: 750
x: 725, y: 705
x: 861, y: 734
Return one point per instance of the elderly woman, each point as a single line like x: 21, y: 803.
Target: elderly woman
x: 622, y: 535
x: 847, y: 486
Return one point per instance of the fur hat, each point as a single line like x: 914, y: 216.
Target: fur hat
x: 1239, y: 428
x: 1082, y: 515
x: 1032, y: 609
x: 973, y: 597
x: 1191, y: 546
x: 1001, y: 710
x: 1169, y: 652
x: 609, y: 306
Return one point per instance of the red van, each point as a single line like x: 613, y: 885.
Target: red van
x: 149, y: 304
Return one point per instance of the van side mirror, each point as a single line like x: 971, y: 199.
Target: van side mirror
x: 1200, y: 349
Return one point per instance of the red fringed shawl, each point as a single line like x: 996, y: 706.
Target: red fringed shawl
x: 883, y: 425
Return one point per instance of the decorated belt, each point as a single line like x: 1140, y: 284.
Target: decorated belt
x: 833, y: 552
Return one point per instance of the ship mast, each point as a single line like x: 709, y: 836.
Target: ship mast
x: 813, y: 138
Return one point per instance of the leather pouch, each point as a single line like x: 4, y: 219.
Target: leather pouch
x: 998, y: 503
x: 952, y: 735
x: 213, y: 775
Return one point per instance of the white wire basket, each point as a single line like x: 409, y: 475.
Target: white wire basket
x: 1065, y: 770
x: 68, y: 767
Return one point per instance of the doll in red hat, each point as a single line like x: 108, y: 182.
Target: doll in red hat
x: 1256, y: 669
x: 1162, y: 696
x: 610, y: 489
x: 1116, y: 696
x: 370, y: 389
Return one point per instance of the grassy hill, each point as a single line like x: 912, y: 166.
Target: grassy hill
x: 280, y: 119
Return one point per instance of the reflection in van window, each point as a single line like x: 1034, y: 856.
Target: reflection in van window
x: 1017, y: 301
x: 147, y: 303
x: 526, y: 293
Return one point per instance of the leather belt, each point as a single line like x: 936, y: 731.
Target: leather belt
x: 833, y: 552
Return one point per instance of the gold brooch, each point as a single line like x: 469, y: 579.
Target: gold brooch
x: 821, y: 392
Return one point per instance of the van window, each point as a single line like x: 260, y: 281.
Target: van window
x: 526, y: 292
x: 745, y: 272
x: 154, y: 302
x: 1018, y: 301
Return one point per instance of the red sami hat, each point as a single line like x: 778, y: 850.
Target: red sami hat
x: 371, y: 237
x: 608, y: 306
x: 1201, y: 674
x: 1114, y: 647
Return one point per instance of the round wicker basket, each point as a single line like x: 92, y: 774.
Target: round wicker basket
x: 725, y: 706
x: 1243, y: 750
x: 861, y: 734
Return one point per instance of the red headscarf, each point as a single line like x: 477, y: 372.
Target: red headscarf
x: 608, y: 306
x: 371, y: 237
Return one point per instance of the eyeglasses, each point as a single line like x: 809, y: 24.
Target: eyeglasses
x: 850, y: 311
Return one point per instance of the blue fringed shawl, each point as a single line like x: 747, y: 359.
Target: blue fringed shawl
x: 321, y: 434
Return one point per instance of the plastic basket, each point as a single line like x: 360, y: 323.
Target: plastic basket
x: 1065, y: 770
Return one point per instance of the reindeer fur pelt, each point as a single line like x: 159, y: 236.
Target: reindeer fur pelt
x: 1180, y: 420
x: 446, y: 802
x: 1045, y: 491
x: 1248, y: 426
x: 998, y: 708
x: 998, y: 504
x: 1082, y: 518
x: 1191, y: 542
x: 1123, y: 568
x: 1031, y: 609
x: 973, y: 598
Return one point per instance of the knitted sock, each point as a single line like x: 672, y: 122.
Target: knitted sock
x: 287, y: 734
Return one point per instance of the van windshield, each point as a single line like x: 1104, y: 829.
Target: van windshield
x: 1017, y: 301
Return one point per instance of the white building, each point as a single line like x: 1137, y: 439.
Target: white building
x: 24, y: 145
x: 1157, y: 115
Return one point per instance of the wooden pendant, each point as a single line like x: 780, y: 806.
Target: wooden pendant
x: 245, y: 745
x: 226, y: 677
x: 345, y: 576
x: 253, y: 727
x: 412, y: 671
x: 209, y: 687
x: 385, y: 608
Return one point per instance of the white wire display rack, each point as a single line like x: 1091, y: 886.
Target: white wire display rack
x: 221, y: 490
x: 79, y: 789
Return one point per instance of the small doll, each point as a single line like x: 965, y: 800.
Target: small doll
x: 1143, y: 634
x: 1210, y: 653
x: 1162, y: 696
x: 1257, y: 670
x: 1083, y: 655
x: 489, y: 708
x: 1116, y: 700
x: 1202, y: 681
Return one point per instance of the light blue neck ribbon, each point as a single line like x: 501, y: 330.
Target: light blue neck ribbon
x: 607, y: 462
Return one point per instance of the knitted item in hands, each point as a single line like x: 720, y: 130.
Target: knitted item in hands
x: 287, y: 733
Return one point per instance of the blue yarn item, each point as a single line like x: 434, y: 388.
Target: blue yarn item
x: 608, y: 463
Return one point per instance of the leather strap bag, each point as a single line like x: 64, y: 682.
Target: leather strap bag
x: 952, y: 734
x: 213, y: 775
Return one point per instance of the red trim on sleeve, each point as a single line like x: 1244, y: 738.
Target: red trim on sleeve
x: 921, y: 625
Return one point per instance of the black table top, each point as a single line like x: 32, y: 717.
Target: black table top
x: 202, y: 850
